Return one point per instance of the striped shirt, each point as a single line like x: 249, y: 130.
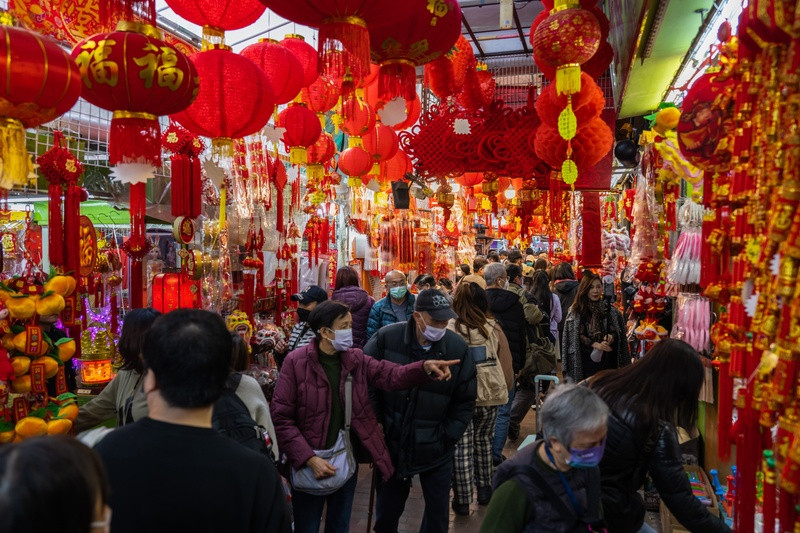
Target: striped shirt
x: 301, y: 335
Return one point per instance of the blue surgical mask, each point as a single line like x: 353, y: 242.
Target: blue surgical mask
x: 398, y: 292
x: 586, y: 458
x: 342, y: 339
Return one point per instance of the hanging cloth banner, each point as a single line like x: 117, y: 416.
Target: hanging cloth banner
x: 592, y: 239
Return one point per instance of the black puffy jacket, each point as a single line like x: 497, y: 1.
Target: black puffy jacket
x: 565, y: 289
x: 422, y: 425
x: 631, y: 452
x: 507, y: 309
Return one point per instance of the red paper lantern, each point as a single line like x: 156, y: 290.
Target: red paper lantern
x: 342, y: 26
x: 587, y: 104
x: 381, y: 144
x: 478, y: 90
x: 283, y: 69
x: 470, y: 179
x: 419, y: 39
x: 302, y: 131
x: 174, y: 290
x: 305, y: 54
x: 218, y: 16
x: 592, y: 142
x: 358, y: 119
x: 355, y: 162
x: 321, y: 96
x: 413, y: 111
x: 135, y: 74
x: 235, y: 98
x: 446, y: 76
x: 40, y: 82
x: 566, y: 39
x: 318, y: 154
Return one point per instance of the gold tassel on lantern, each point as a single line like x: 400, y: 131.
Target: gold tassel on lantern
x: 298, y: 155
x: 568, y: 78
x: 354, y: 142
x: 221, y: 147
x: 15, y: 163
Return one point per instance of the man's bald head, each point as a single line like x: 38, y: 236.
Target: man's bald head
x: 394, y: 276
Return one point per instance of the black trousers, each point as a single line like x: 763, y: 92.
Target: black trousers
x: 392, y: 496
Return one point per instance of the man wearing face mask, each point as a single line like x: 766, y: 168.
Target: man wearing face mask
x: 554, y: 484
x: 422, y: 425
x: 397, y: 306
x: 302, y: 333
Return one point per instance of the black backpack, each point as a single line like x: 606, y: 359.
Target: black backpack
x: 232, y: 418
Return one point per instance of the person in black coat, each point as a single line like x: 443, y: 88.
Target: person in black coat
x: 422, y: 425
x: 565, y: 287
x: 648, y: 399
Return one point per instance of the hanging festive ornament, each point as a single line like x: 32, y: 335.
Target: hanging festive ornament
x: 446, y: 75
x: 357, y: 116
x: 235, y: 99
x: 565, y: 40
x: 318, y: 155
x: 186, y: 177
x: 445, y: 198
x: 479, y: 88
x: 342, y: 27
x: 40, y: 82
x: 400, y: 47
x: 302, y: 130
x: 381, y: 144
x: 305, y: 54
x: 396, y: 168
x: 217, y: 17
x: 355, y: 162
x: 283, y: 69
x: 136, y: 75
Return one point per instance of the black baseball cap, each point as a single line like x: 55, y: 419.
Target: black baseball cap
x: 312, y: 293
x: 435, y: 303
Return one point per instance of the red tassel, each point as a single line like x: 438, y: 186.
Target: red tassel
x: 55, y: 239
x: 786, y: 508
x: 113, y: 10
x: 397, y: 78
x: 72, y: 234
x: 248, y: 296
x: 137, y: 209
x: 195, y: 201
x: 343, y: 45
x: 725, y: 412
x: 134, y: 139
x: 279, y: 209
x: 179, y: 178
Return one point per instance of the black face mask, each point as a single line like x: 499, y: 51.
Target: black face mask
x: 302, y: 314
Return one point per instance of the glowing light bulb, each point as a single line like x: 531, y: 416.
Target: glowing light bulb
x: 510, y: 193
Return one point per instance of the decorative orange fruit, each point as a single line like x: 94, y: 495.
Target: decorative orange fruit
x: 59, y: 426
x: 66, y: 349
x: 50, y: 365
x: 7, y: 436
x: 69, y: 411
x: 31, y: 426
x: 21, y: 364
x: 21, y: 384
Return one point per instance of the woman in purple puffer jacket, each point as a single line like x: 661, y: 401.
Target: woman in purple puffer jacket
x: 349, y: 291
x: 308, y: 409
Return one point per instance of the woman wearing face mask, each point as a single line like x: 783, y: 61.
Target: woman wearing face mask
x: 554, y: 484
x: 594, y: 333
x: 648, y: 400
x: 308, y: 409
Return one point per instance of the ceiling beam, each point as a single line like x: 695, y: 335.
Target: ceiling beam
x: 472, y: 35
x: 519, y: 28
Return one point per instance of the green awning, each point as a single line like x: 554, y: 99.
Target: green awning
x: 99, y: 212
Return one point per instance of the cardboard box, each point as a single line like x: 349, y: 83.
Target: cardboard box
x: 669, y: 523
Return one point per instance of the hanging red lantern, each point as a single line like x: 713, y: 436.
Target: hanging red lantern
x: 478, y: 89
x: 396, y: 168
x: 135, y: 74
x: 283, y: 69
x: 235, y: 98
x: 419, y: 39
x: 217, y: 17
x: 321, y: 96
x: 318, y: 154
x: 446, y: 76
x: 305, y: 54
x: 355, y: 162
x: 381, y: 144
x: 565, y: 40
x: 342, y: 26
x: 470, y: 179
x: 40, y: 82
x: 358, y: 119
x: 302, y: 130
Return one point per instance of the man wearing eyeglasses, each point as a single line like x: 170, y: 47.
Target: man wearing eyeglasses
x: 397, y: 306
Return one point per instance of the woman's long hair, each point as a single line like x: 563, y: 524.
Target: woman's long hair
x: 580, y: 306
x: 663, y: 385
x: 540, y: 290
x: 136, y: 323
x: 472, y: 307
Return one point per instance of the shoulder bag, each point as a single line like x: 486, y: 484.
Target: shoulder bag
x: 491, y: 381
x: 340, y: 455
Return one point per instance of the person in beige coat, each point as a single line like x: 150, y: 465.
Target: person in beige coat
x: 489, y: 347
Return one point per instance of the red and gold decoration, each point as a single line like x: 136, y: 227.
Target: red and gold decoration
x: 186, y: 187
x: 302, y: 131
x: 217, y: 17
x: 305, y: 54
x: 283, y: 69
x: 40, y: 82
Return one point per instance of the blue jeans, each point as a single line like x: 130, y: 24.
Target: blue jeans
x: 308, y: 509
x: 646, y: 528
x: 501, y: 428
x: 392, y: 496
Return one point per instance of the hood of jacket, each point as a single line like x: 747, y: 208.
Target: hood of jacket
x: 566, y: 286
x: 355, y: 297
x: 501, y: 300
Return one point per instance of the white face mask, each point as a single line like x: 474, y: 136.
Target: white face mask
x: 342, y: 340
x: 505, y: 285
x: 433, y: 334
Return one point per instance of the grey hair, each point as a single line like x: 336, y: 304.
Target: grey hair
x: 571, y: 409
x: 492, y: 272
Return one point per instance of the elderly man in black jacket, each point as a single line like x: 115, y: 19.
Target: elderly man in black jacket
x: 422, y: 425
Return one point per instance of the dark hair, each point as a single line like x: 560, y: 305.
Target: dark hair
x: 540, y: 289
x: 513, y: 271
x: 540, y: 264
x: 425, y: 279
x: 346, y: 276
x: 503, y: 252
x: 134, y: 327
x: 464, y: 269
x: 528, y: 251
x: 240, y: 355
x: 445, y: 282
x: 325, y: 314
x: 478, y: 263
x: 50, y: 483
x: 563, y: 271
x: 663, y: 385
x: 514, y: 256
x: 472, y: 307
x: 189, y: 351
x: 493, y: 256
x: 581, y: 304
